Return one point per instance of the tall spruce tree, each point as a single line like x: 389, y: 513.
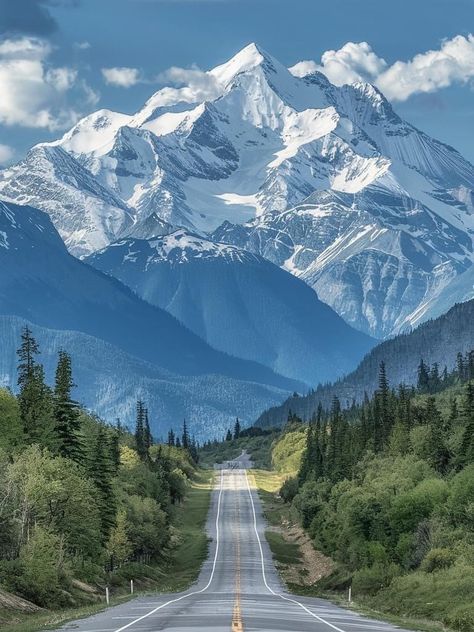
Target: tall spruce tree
x: 140, y: 437
x: 466, y: 452
x: 437, y: 450
x: 237, y: 429
x: 185, y: 437
x: 147, y: 436
x: 35, y: 397
x: 101, y: 471
x: 66, y: 411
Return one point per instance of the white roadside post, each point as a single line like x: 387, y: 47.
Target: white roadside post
x: 349, y: 597
x: 131, y: 586
x: 107, y: 595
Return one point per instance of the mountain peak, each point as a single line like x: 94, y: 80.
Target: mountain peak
x: 250, y: 57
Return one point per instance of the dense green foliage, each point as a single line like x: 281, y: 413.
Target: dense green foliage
x: 79, y: 499
x: 386, y: 488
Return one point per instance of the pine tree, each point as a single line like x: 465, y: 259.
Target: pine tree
x: 437, y: 451
x: 171, y: 438
x: 423, y: 385
x: 66, y: 411
x: 101, y: 471
x: 228, y: 436
x: 35, y: 397
x: 178, y: 442
x: 114, y: 449
x: 460, y: 367
x: 383, y: 413
x: 147, y: 436
x: 140, y: 438
x: 237, y: 429
x: 185, y: 436
x: 466, y: 452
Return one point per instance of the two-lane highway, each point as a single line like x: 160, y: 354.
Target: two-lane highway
x: 238, y: 587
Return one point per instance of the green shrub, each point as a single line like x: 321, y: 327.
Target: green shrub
x: 437, y: 559
x: 289, y: 489
x: 461, y: 619
x: 371, y: 579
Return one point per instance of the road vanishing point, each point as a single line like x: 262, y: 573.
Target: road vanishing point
x: 238, y: 588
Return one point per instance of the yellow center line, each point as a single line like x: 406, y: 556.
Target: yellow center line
x: 237, y: 625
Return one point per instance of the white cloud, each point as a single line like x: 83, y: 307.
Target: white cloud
x: 190, y: 85
x: 122, y: 77
x: 35, y: 93
x: 430, y: 71
x: 452, y: 63
x: 6, y: 154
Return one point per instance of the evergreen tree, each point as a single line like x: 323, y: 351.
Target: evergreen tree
x: 100, y: 469
x: 228, y: 436
x: 237, y: 429
x: 466, y: 452
x: 437, y: 451
x: 147, y: 436
x: 114, y: 449
x: 35, y: 397
x: 171, y: 438
x: 460, y: 368
x: 423, y: 384
x: 66, y: 411
x: 178, y: 442
x: 185, y: 436
x: 140, y: 436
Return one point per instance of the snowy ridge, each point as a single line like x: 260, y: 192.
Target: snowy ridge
x: 326, y: 181
x: 180, y: 247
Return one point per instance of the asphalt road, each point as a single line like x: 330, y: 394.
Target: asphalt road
x: 238, y: 588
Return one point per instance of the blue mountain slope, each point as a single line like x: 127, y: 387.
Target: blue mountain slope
x: 239, y: 303
x: 42, y: 283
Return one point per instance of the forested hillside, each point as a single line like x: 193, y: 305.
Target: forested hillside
x: 437, y: 342
x: 386, y: 489
x: 82, y: 503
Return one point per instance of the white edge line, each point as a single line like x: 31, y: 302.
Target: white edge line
x: 195, y: 592
x: 263, y: 568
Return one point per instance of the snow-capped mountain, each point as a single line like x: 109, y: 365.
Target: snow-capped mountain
x: 238, y: 302
x: 121, y: 345
x: 374, y: 214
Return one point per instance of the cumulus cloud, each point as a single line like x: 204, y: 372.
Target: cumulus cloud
x: 430, y: 71
x: 427, y: 72
x: 188, y: 84
x: 6, y: 154
x: 122, y: 77
x: 35, y: 93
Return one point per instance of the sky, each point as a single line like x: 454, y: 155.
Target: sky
x: 62, y: 59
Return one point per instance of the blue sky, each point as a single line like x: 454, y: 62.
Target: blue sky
x: 75, y: 39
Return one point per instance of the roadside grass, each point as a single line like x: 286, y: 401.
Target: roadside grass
x: 283, y: 552
x: 180, y: 570
x: 268, y: 484
x: 185, y: 562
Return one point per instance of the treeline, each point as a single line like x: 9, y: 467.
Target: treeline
x: 437, y: 341
x: 79, y: 499
x: 386, y: 488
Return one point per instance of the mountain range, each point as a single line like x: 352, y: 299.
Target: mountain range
x: 238, y: 302
x: 437, y: 341
x: 327, y: 182
x: 221, y: 254
x: 122, y: 347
